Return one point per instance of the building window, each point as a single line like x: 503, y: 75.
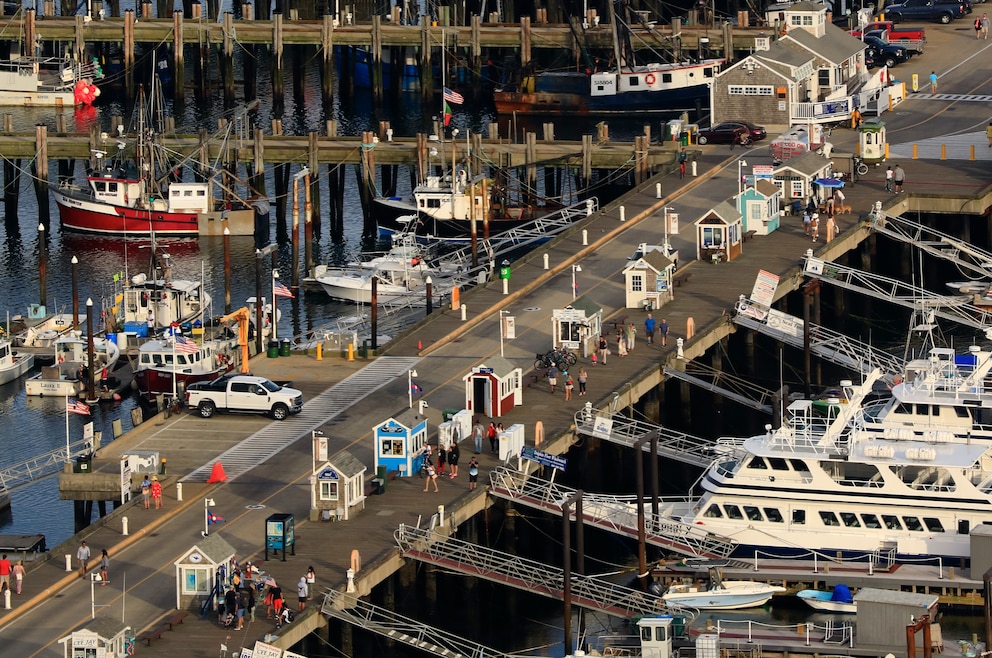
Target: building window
x: 196, y: 580
x: 824, y: 77
x: 637, y: 283
x: 751, y: 90
x: 328, y: 490
x: 391, y: 448
x: 797, y: 189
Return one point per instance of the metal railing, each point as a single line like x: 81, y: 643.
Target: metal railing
x: 38, y: 467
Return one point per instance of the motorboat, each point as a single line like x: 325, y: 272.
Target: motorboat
x: 168, y: 366
x: 839, y: 599
x: 68, y: 375
x: 720, y: 595
x: 30, y: 81
x: 12, y: 364
x: 43, y: 331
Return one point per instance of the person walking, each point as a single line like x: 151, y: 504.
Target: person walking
x: 978, y: 27
x: 663, y: 329
x: 898, y: 177
x: 477, y: 431
x: 604, y: 349
x: 649, y: 326
x: 442, y: 457
x: 985, y: 26
x: 621, y: 345
x: 146, y: 490
x: 569, y: 385
x: 230, y: 606
x: 156, y: 490
x: 933, y: 82
x: 301, y: 594
x: 683, y: 157
x: 889, y: 174
x: 104, y: 568
x: 454, y: 454
x: 473, y: 473
x: 583, y: 378
x: 631, y: 336
x: 553, y: 378
x: 18, y: 572
x: 431, y: 478
x: 83, y: 557
x: 250, y: 600
x: 5, y: 570
x: 815, y: 226
x: 491, y: 433
x: 807, y: 221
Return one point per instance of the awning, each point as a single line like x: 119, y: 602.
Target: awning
x: 829, y: 182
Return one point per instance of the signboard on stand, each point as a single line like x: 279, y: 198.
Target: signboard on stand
x: 125, y: 478
x: 543, y: 458
x: 509, y: 327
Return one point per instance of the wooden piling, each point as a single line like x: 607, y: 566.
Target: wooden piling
x: 525, y: 42
x: 375, y: 66
x: 327, y: 62
x: 278, y: 81
x: 295, y: 236
x: 129, y: 52
x: 476, y: 55
x: 530, y: 159
x: 178, y: 60
x: 313, y: 190
x: 40, y: 167
x: 426, y: 71
x: 366, y: 185
x: 227, y: 60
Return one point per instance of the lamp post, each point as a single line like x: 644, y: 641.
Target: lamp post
x: 258, y: 301
x: 502, y: 328
x: 575, y: 289
x: 740, y: 179
x: 75, y: 293
x: 275, y: 310
x: 207, y: 504
x: 667, y: 247
x: 410, y: 374
x: 89, y: 350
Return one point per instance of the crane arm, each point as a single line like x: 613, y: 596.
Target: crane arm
x: 243, y: 317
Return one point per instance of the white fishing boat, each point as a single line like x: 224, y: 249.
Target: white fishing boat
x: 68, y: 375
x: 169, y: 366
x: 12, y: 364
x: 45, y: 331
x: 839, y: 599
x: 29, y: 81
x: 401, y: 276
x: 720, y: 595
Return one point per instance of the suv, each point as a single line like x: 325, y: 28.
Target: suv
x: 880, y: 52
x: 938, y: 10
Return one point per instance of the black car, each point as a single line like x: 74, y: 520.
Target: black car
x: 730, y: 132
x: 878, y: 53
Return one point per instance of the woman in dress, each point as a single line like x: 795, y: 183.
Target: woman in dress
x: 621, y: 345
x: 104, y: 568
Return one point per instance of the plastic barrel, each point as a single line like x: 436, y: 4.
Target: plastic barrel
x: 284, y: 347
x: 273, y: 351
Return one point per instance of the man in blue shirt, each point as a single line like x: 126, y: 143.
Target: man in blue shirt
x: 649, y: 328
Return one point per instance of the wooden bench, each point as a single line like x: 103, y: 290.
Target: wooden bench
x: 619, y: 322
x: 750, y: 234
x: 148, y: 636
x: 679, y: 279
x: 176, y: 619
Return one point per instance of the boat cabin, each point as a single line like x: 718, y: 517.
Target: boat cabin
x: 437, y: 200
x: 186, y: 197
x: 109, y: 188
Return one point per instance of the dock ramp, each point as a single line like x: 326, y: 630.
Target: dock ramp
x: 732, y: 387
x: 617, y: 514
x: 38, y: 467
x: 529, y: 575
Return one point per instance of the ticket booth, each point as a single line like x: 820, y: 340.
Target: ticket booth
x: 795, y: 177
x: 719, y: 234
x: 577, y: 326
x: 493, y: 388
x: 198, y: 569
x: 338, y: 488
x: 100, y: 638
x: 400, y: 447
x: 871, y: 139
x: 648, y: 281
x: 760, y: 207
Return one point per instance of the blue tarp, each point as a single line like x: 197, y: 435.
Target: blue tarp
x: 842, y: 594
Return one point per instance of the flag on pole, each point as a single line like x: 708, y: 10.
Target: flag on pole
x: 453, y: 97
x: 415, y: 388
x: 214, y: 519
x: 185, y: 345
x: 77, y: 407
x: 447, y: 114
x: 281, y: 290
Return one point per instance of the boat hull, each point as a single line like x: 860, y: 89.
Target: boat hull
x: 387, y: 214
x: 556, y: 103
x: 37, y: 98
x: 152, y: 382
x: 359, y: 290
x: 822, y: 602
x: 61, y: 387
x: 19, y: 367
x: 733, y: 595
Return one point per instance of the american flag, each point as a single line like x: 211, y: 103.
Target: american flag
x: 453, y: 97
x: 77, y: 407
x: 281, y: 290
x: 184, y: 345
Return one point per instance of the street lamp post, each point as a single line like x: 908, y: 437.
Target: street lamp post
x: 740, y: 178
x: 275, y: 310
x: 207, y: 504
x: 575, y: 289
x: 410, y: 374
x: 502, y: 329
x: 667, y: 247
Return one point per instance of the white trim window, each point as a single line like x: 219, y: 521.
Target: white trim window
x: 751, y: 90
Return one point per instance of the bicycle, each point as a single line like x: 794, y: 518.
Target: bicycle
x: 860, y: 166
x: 172, y: 406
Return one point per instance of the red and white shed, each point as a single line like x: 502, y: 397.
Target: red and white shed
x: 493, y: 388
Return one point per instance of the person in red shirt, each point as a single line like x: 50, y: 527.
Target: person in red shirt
x: 5, y: 569
x: 156, y: 492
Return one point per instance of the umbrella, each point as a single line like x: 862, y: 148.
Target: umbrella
x: 269, y: 581
x: 829, y: 182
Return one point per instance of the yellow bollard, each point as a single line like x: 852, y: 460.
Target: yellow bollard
x: 351, y: 351
x: 943, y: 151
x: 320, y: 351
x: 972, y: 151
x: 455, y: 294
x: 914, y: 151
x: 890, y: 102
x: 886, y: 150
x: 857, y: 149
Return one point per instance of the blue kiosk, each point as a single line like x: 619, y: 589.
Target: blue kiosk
x: 399, y: 444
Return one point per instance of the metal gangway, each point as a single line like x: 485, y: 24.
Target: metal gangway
x: 679, y: 446
x: 825, y: 343
x: 934, y: 242
x: 38, y: 467
x: 730, y: 386
x: 955, y: 308
x: 426, y: 637
x: 529, y: 575
x: 617, y: 514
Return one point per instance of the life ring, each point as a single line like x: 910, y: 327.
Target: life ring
x: 650, y: 79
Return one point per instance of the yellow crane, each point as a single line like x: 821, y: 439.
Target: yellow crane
x: 243, y: 317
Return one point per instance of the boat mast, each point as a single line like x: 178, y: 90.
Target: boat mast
x: 622, y: 50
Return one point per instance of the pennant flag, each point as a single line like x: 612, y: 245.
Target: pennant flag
x: 214, y: 519
x: 447, y: 114
x: 78, y: 407
x: 453, y: 97
x: 416, y: 388
x: 184, y: 345
x: 282, y: 291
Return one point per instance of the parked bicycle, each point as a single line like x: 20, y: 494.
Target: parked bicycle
x: 562, y: 358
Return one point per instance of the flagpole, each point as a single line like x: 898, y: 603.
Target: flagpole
x: 67, y: 456
x: 174, y: 370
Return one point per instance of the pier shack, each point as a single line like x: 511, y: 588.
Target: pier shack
x: 199, y: 570
x: 494, y: 387
x: 719, y: 234
x: 399, y: 446
x: 577, y: 326
x: 99, y: 638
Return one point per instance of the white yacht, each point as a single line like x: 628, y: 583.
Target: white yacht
x: 911, y: 476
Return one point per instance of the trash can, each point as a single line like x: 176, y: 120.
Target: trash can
x: 380, y: 474
x: 273, y: 351
x: 684, y: 137
x: 378, y: 486
x: 83, y: 464
x: 284, y: 347
x: 448, y: 414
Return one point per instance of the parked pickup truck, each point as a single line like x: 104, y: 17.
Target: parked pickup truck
x: 937, y: 10
x: 910, y: 38
x: 243, y: 394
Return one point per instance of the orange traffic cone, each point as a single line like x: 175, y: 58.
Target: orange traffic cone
x: 217, y: 474
x: 420, y: 346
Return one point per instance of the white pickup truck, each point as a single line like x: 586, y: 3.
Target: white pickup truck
x: 243, y: 394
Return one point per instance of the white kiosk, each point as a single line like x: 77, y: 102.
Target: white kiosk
x: 337, y: 486
x: 399, y: 446
x: 871, y: 139
x: 577, y: 326
x: 648, y: 281
x: 100, y: 638
x: 197, y: 571
x: 719, y: 234
x: 493, y: 388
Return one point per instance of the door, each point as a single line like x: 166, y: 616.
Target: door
x: 480, y: 395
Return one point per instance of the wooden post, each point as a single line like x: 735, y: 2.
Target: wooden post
x: 327, y: 64
x: 278, y: 80
x: 728, y: 41
x: 531, y: 166
x: 313, y: 193
x: 426, y: 72
x: 367, y: 184
x: 525, y: 41
x: 178, y: 59
x: 295, y: 237
x: 227, y: 60
x: 476, y: 55
x: 376, y: 63
x: 307, y: 229
x: 129, y: 53
x: 40, y: 167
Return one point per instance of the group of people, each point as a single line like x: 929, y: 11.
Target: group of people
x: 811, y: 215
x: 449, y: 456
x: 895, y: 178
x: 8, y: 571
x: 83, y: 555
x: 982, y: 27
x: 151, y: 489
x: 240, y: 599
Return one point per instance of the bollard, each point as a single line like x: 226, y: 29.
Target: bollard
x: 68, y: 562
x: 585, y: 233
x: 124, y: 526
x: 506, y: 286
x: 440, y: 516
x: 890, y: 102
x: 320, y: 351
x: 464, y: 312
x: 679, y: 354
x: 914, y: 151
x: 657, y: 190
x: 588, y: 207
x: 6, y: 599
x: 351, y: 351
x: 886, y: 150
x: 693, y: 163
x: 179, y: 491
x: 545, y: 264
x: 972, y: 152
x: 943, y: 151
x: 350, y: 573
x: 623, y: 214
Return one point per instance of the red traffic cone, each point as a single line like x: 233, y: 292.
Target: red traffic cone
x: 420, y: 346
x: 217, y: 474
